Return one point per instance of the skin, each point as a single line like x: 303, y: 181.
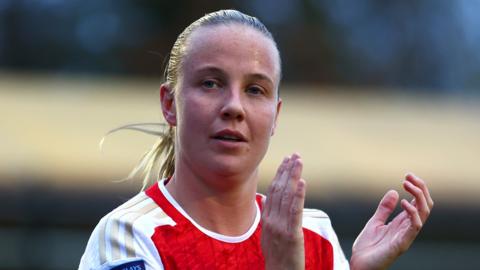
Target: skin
x: 380, y: 243
x: 377, y: 246
x: 229, y: 81
x: 282, y: 234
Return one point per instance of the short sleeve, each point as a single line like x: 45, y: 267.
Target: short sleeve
x: 319, y: 222
x: 122, y: 239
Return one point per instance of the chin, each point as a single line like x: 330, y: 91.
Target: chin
x: 230, y: 167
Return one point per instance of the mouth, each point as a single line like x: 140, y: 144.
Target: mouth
x: 230, y: 136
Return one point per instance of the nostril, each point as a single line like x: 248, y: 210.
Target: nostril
x: 226, y: 114
x: 233, y: 108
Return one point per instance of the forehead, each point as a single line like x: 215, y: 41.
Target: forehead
x: 233, y: 45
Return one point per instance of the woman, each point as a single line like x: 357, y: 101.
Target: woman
x: 221, y: 102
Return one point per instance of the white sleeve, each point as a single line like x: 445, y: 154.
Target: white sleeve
x: 319, y: 222
x: 122, y: 239
x: 104, y: 251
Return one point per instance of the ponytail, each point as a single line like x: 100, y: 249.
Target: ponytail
x: 159, y: 161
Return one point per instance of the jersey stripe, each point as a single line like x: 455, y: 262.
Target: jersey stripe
x: 129, y: 242
x: 103, y: 231
x: 125, y: 221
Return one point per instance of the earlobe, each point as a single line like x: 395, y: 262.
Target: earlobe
x: 167, y: 100
x: 279, y: 106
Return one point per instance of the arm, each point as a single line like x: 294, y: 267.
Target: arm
x: 380, y: 244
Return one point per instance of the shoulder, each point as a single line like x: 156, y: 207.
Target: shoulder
x: 134, y: 216
x: 315, y: 218
x: 314, y: 213
x: 319, y: 224
x: 317, y: 221
x: 123, y: 235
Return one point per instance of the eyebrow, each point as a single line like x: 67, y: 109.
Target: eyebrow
x: 262, y: 77
x: 211, y: 69
x: 221, y: 72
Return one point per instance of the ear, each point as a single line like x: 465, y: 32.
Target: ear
x: 167, y: 100
x: 279, y: 106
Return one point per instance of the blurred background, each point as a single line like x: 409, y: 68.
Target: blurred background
x: 371, y: 89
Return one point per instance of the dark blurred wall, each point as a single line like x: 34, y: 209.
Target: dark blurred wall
x: 428, y: 45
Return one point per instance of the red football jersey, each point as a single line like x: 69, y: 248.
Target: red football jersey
x: 151, y: 231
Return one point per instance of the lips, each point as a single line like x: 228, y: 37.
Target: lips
x: 229, y: 135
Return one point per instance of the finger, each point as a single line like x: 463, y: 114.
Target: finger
x: 296, y: 172
x: 385, y: 207
x: 420, y: 201
x: 281, y: 168
x: 291, y: 187
x: 294, y: 175
x: 263, y: 206
x: 278, y: 187
x: 400, y: 218
x: 417, y: 181
x: 295, y: 156
x: 296, y: 209
x: 285, y: 179
x: 271, y: 189
x: 414, y: 216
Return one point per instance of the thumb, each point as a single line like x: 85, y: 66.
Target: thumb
x: 263, y: 207
x: 385, y: 207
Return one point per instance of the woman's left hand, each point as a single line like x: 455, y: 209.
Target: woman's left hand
x: 380, y: 244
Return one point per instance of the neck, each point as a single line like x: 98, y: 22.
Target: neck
x: 223, y: 204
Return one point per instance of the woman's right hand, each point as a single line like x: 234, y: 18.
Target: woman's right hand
x: 282, y: 235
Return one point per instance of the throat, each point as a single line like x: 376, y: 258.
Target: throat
x: 230, y: 222
x: 222, y: 213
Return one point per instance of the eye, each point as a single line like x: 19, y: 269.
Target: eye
x: 255, y: 90
x: 210, y: 84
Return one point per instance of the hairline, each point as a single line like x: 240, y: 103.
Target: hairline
x: 267, y: 35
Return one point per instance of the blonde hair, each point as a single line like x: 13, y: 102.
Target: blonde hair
x: 159, y: 161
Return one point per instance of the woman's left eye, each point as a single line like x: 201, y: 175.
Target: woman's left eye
x: 254, y: 90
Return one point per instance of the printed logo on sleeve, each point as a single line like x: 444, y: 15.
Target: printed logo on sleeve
x: 135, y: 265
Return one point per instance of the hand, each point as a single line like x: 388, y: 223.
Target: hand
x: 282, y: 235
x: 379, y: 244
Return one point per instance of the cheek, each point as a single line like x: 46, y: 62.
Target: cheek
x: 190, y: 125
x: 265, y: 121
x: 193, y: 112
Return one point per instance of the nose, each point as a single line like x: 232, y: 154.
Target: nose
x: 233, y: 108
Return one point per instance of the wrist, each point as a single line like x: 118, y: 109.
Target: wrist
x: 357, y: 263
